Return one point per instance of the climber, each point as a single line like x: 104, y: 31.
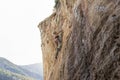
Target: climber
x: 58, y: 42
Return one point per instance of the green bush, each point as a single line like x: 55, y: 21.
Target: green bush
x: 56, y: 3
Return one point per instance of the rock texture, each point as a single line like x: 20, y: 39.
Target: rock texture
x: 90, y: 40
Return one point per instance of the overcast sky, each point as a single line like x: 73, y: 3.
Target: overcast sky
x: 19, y: 34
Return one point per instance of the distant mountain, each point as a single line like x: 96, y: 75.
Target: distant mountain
x: 6, y: 65
x: 35, y: 68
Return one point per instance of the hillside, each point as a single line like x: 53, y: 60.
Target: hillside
x: 81, y: 40
x: 12, y: 68
x: 7, y: 65
x: 8, y: 75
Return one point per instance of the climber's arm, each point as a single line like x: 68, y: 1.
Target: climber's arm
x: 60, y: 32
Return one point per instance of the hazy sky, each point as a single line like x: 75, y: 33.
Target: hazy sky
x: 19, y: 34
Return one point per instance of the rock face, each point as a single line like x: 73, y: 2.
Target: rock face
x: 89, y: 39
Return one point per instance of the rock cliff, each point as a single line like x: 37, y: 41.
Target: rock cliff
x: 81, y: 40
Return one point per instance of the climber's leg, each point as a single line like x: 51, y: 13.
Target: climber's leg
x: 57, y: 51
